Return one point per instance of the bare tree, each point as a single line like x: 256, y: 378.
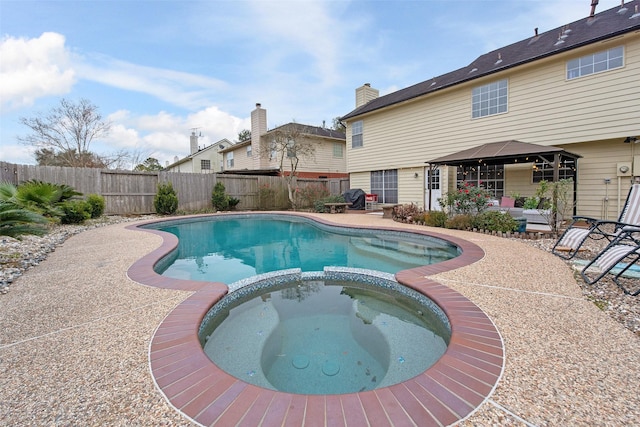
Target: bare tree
x: 66, y: 133
x: 287, y: 146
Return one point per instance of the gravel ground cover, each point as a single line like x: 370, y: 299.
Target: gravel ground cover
x: 16, y: 256
x: 85, y: 362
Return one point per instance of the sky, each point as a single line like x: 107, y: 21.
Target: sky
x: 159, y: 69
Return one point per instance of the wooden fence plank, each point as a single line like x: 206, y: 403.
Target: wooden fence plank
x: 129, y: 192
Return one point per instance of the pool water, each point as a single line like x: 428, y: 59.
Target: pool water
x: 230, y: 248
x: 324, y: 336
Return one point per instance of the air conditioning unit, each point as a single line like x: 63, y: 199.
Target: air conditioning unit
x: 623, y: 169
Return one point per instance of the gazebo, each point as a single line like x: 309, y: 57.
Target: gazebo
x: 504, y: 153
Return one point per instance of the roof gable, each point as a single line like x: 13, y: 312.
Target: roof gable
x: 313, y: 131
x: 607, y: 24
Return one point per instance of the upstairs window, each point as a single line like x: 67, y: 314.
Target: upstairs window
x: 205, y: 164
x: 489, y: 99
x: 230, y: 159
x: 595, y: 63
x: 249, y: 152
x: 338, y: 150
x: 291, y: 149
x: 356, y: 134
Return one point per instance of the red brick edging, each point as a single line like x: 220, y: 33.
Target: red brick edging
x: 449, y: 391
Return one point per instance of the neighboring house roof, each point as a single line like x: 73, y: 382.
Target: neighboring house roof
x: 605, y: 25
x: 223, y: 141
x: 500, y: 153
x: 303, y: 129
x: 314, y: 130
x: 235, y: 146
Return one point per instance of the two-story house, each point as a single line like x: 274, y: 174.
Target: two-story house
x: 200, y: 160
x: 262, y: 154
x: 559, y: 104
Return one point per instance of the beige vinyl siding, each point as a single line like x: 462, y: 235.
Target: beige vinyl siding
x: 411, y: 188
x: 600, y: 161
x: 519, y: 179
x: 241, y: 160
x: 360, y: 180
x: 544, y: 108
x: 323, y: 160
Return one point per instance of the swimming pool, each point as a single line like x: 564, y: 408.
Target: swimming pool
x: 449, y: 391
x: 234, y: 247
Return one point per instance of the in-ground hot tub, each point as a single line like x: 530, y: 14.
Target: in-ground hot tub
x: 331, y: 332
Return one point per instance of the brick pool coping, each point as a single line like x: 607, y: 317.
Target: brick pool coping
x: 446, y: 393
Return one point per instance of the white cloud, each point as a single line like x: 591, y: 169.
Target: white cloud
x: 165, y: 136
x: 306, y: 31
x: 182, y: 89
x: 34, y: 68
x: 16, y: 153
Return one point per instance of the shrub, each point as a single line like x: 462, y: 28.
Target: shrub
x: 495, y: 221
x: 219, y: 198
x: 435, y: 218
x: 266, y: 196
x: 96, y: 205
x: 459, y: 222
x: 531, y: 202
x: 16, y: 221
x: 166, y: 200
x: 468, y: 199
x: 75, y: 212
x: 407, y: 213
x: 233, y: 202
x: 43, y: 197
x: 318, y: 205
x: 310, y: 193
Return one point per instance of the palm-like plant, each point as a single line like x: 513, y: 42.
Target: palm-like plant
x: 43, y: 197
x: 16, y: 221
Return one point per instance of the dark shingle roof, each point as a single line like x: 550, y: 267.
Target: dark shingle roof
x: 314, y: 130
x: 605, y: 25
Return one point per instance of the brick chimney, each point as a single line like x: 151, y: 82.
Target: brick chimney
x: 365, y: 94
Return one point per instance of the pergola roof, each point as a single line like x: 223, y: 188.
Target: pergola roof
x: 506, y: 152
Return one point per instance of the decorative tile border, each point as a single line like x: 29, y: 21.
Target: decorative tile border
x: 449, y: 391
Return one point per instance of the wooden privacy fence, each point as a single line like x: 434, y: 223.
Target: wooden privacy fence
x: 127, y: 192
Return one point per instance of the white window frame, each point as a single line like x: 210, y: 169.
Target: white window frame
x: 356, y: 134
x: 205, y: 164
x: 384, y: 183
x: 230, y: 159
x: 595, y: 63
x: 338, y: 150
x: 490, y: 99
x: 249, y: 151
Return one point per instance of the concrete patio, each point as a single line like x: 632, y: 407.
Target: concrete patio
x: 75, y: 334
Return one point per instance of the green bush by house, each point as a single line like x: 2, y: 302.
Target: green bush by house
x: 166, y: 200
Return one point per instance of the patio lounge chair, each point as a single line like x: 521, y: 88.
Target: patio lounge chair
x: 622, y: 253
x: 575, y: 235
